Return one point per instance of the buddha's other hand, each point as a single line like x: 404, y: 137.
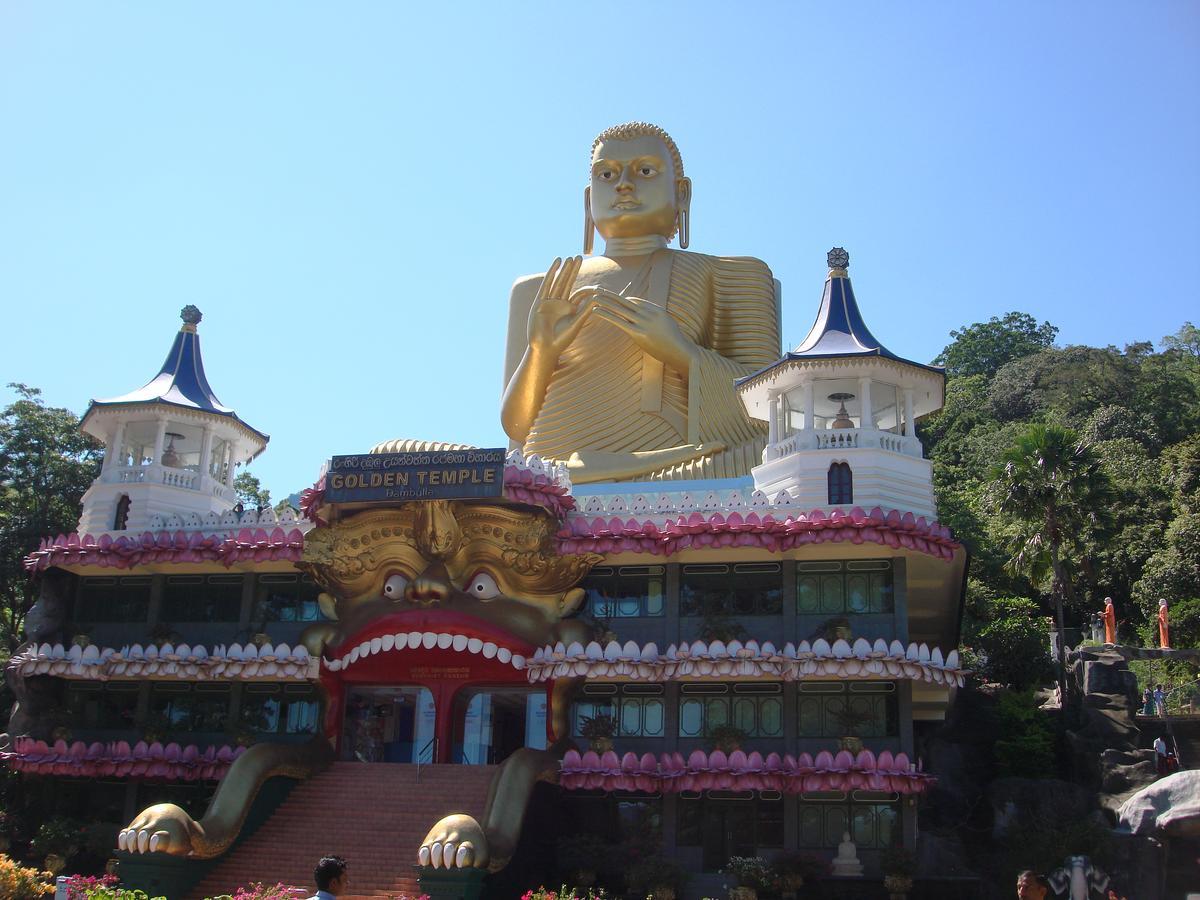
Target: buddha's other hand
x: 648, y: 325
x: 557, y: 314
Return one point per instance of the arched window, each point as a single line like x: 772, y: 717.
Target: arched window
x: 841, y: 484
x: 122, y: 517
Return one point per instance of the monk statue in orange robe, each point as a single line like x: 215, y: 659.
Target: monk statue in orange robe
x: 1110, y: 621
x: 1164, y: 638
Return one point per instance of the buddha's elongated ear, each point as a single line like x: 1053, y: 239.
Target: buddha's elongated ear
x: 589, y: 226
x: 683, y: 211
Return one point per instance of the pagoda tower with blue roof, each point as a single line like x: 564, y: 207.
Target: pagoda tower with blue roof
x: 172, y: 447
x: 841, y: 411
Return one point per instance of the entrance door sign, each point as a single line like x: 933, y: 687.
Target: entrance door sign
x: 434, y: 475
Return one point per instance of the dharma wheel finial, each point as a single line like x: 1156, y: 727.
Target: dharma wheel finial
x: 191, y: 315
x: 837, y: 258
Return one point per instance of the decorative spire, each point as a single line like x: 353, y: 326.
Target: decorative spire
x: 191, y: 316
x: 838, y: 259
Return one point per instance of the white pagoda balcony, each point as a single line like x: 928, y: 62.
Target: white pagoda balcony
x: 843, y: 439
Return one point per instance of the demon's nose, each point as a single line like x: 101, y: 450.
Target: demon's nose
x: 431, y: 586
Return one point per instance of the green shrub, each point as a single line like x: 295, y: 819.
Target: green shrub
x: 1026, y: 748
x: 1013, y: 644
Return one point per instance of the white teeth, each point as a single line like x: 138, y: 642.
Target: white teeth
x: 489, y: 650
x: 376, y: 644
x: 443, y: 641
x: 353, y: 657
x: 414, y: 639
x: 333, y: 665
x: 504, y: 654
x: 428, y: 640
x: 518, y: 661
x: 364, y: 649
x: 401, y: 640
x: 388, y: 642
x: 459, y: 643
x: 474, y: 645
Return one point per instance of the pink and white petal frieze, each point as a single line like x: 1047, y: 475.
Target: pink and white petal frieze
x: 735, y: 659
x: 125, y: 552
x: 682, y: 522
x: 739, y: 771
x: 424, y: 641
x: 170, y: 762
x: 269, y: 662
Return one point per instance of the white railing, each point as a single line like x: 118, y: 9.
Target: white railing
x: 844, y: 439
x: 188, y: 479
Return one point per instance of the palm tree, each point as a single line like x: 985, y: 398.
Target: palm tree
x: 1049, y: 487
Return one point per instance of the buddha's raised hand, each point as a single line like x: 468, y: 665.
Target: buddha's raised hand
x: 557, y: 313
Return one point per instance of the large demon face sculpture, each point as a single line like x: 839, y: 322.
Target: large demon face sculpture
x: 483, y: 571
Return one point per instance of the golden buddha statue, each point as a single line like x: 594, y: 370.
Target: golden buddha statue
x: 622, y: 365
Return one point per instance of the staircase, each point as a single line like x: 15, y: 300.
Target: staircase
x: 1186, y: 732
x: 372, y: 814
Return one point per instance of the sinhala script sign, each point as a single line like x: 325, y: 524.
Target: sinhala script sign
x: 436, y: 475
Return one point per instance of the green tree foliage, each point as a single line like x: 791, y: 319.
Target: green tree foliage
x: 46, y: 463
x: 1139, y: 411
x: 1173, y: 571
x: 982, y: 348
x: 1026, y: 748
x: 250, y: 491
x: 1048, y: 488
x: 1012, y: 643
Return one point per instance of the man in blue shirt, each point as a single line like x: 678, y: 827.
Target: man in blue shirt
x: 331, y: 878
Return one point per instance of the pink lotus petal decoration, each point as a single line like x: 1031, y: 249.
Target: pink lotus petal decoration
x: 585, y: 533
x: 165, y: 547
x: 170, y: 763
x: 739, y: 772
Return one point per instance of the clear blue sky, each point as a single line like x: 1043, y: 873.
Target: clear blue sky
x: 347, y: 190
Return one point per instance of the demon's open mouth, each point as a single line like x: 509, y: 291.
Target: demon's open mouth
x: 423, y: 631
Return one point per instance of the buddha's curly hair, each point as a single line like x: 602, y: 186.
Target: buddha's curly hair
x: 629, y: 130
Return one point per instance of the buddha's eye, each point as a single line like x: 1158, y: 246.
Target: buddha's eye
x: 647, y: 171
x: 394, y: 587
x: 607, y: 175
x: 483, y: 587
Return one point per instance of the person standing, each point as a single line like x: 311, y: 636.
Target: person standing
x: 331, y: 878
x: 1147, y: 702
x: 1160, y: 755
x: 1160, y: 700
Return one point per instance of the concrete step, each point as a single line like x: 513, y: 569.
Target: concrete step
x: 372, y: 814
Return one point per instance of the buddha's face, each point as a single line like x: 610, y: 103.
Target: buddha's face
x: 633, y: 188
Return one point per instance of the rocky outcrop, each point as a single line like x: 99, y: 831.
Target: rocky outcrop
x: 1170, y: 807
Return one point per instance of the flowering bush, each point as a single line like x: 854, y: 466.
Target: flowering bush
x: 564, y: 893
x: 19, y: 883
x: 259, y: 891
x: 82, y: 887
x: 116, y: 893
x: 750, y: 871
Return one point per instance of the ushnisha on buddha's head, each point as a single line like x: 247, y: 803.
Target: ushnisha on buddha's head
x: 637, y: 185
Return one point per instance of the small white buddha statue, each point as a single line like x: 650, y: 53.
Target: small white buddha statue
x: 846, y: 863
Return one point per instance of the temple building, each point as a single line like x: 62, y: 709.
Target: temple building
x: 722, y: 623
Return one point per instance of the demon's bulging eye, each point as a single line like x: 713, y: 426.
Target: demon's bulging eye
x: 394, y: 587
x: 483, y: 587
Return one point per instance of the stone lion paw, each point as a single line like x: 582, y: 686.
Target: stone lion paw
x: 456, y: 842
x: 164, y: 828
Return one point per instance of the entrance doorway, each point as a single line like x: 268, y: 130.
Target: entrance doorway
x: 389, y: 724
x: 491, y: 723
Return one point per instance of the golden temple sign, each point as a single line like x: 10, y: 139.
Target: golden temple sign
x: 435, y: 475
